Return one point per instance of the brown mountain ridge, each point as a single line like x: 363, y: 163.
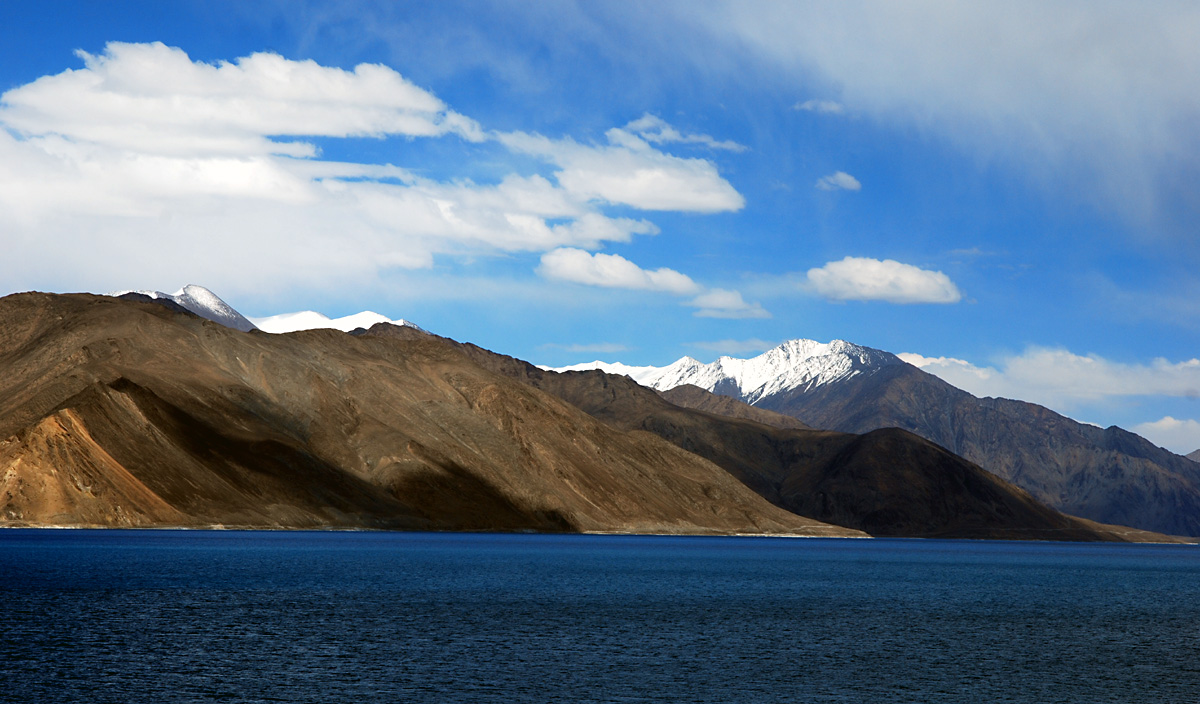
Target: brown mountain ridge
x: 888, y: 483
x: 128, y: 413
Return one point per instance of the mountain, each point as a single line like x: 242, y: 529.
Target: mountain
x: 796, y: 364
x: 311, y: 320
x: 133, y: 413
x: 1107, y: 475
x: 696, y: 398
x: 1194, y: 455
x: 198, y: 300
x: 888, y: 482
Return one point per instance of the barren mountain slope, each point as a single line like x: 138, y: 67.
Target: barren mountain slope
x: 1105, y: 474
x: 697, y: 399
x: 886, y: 483
x: 118, y: 412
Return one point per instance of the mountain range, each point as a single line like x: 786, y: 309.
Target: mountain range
x: 1104, y: 474
x: 208, y: 305
x: 140, y: 413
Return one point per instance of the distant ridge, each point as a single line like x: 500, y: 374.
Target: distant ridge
x: 1104, y: 474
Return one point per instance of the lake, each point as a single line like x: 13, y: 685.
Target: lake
x: 232, y: 616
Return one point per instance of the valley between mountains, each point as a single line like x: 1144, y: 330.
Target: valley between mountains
x: 137, y: 412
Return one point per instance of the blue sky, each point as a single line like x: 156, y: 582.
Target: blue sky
x: 1006, y: 191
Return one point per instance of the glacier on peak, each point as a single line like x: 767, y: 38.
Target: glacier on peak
x: 793, y: 364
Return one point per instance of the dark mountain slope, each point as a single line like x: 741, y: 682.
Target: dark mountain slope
x: 697, y: 399
x: 1107, y: 475
x: 127, y: 413
x: 886, y: 483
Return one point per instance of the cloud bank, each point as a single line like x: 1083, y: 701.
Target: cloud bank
x: 862, y: 279
x: 1058, y: 378
x: 1093, y: 99
x: 1179, y: 436
x: 145, y: 165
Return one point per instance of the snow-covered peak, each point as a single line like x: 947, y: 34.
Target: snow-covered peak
x: 794, y: 364
x: 203, y: 303
x: 312, y: 320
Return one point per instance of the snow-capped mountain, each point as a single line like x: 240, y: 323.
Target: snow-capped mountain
x: 312, y: 320
x: 209, y: 305
x: 202, y: 302
x: 796, y: 364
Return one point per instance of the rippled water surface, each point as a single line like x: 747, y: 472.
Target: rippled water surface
x: 175, y: 616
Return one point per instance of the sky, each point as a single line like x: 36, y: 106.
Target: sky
x: 1005, y: 193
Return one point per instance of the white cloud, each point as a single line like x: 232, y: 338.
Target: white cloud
x: 735, y: 347
x: 1179, y: 436
x: 839, y: 181
x: 1060, y: 379
x: 825, y: 107
x: 612, y: 271
x: 1088, y: 98
x: 144, y: 161
x: 862, y: 279
x: 628, y: 171
x: 723, y: 303
x: 655, y: 130
x: 153, y: 99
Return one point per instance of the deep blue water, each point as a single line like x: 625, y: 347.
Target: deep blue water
x: 197, y: 616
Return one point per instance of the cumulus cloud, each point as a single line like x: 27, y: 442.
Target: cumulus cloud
x: 629, y: 171
x: 151, y: 98
x: 1059, y: 378
x: 1178, y: 436
x: 862, y: 279
x: 723, y: 303
x: 145, y: 160
x: 825, y: 107
x: 612, y: 271
x: 839, y: 181
x: 655, y: 130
